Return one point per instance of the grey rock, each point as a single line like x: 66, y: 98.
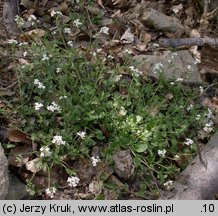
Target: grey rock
x: 124, y: 166
x: 173, y: 64
x: 160, y: 21
x: 17, y: 189
x: 3, y: 175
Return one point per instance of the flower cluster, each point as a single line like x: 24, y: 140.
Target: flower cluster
x: 56, y: 13
x: 81, y: 134
x: 67, y: 30
x: 38, y: 106
x: 39, y: 84
x: 19, y: 20
x: 208, y: 126
x: 58, y: 140
x: 188, y: 141
x: 104, y: 30
x: 77, y: 23
x: 45, y: 151
x: 95, y: 160
x: 135, y: 71
x: 158, y: 67
x: 12, y: 41
x: 73, y: 181
x: 53, y: 107
x: 32, y: 18
x: 51, y: 191
x: 168, y: 184
x: 162, y: 153
x: 45, y: 57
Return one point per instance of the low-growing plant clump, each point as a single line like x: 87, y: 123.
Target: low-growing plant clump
x: 80, y: 106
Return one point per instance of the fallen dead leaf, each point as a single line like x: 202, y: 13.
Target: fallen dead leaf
x: 18, y: 136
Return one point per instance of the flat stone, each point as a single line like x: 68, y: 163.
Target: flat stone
x: 160, y: 21
x: 17, y: 189
x: 3, y: 175
x: 173, y: 65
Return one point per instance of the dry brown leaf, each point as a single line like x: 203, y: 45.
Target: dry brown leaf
x: 18, y: 136
x: 32, y: 165
x: 63, y: 7
x: 35, y: 35
x: 21, y: 152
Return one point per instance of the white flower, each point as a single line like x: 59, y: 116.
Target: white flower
x: 38, y: 106
x: 58, y: 140
x: 95, y: 160
x: 168, y: 184
x: 128, y: 51
x: 189, y: 67
x: 45, y: 57
x: 23, y: 44
x: 210, y: 113
x: 190, y: 107
x: 53, y: 107
x: 12, y: 41
x: 58, y: 70
x: 162, y: 153
x: 201, y: 90
x: 198, y: 117
x: 155, y: 45
x: 51, y: 191
x: 110, y: 57
x: 81, y: 134
x: 73, y: 181
x: 32, y: 17
x: 70, y: 43
x: 179, y: 79
x: 208, y: 129
x: 54, y: 32
x: 188, y: 141
x: 39, y: 84
x: 99, y: 50
x: 45, y: 151
x: 122, y: 111
x: 118, y: 77
x: 172, y: 83
x: 77, y: 23
x: 169, y: 61
x: 67, y: 30
x: 104, y: 30
x: 25, y: 54
x: 135, y: 71
x: 158, y: 67
x: 176, y: 157
x: 19, y: 20
x: 56, y: 13
x: 61, y: 97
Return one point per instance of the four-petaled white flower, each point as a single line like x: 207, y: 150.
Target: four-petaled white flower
x: 58, y: 140
x: 58, y: 70
x: 104, y: 30
x: 45, y: 151
x: 81, y: 134
x: 53, y: 107
x: 122, y: 111
x: 118, y: 77
x: 188, y: 141
x: 38, y: 106
x: 190, y: 107
x: 95, y: 160
x: 73, y: 181
x: 51, y: 191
